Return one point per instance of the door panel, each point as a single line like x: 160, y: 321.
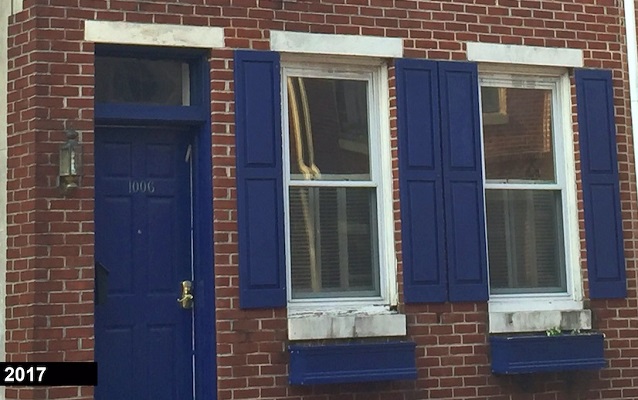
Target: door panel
x: 143, y: 239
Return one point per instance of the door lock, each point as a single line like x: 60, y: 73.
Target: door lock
x: 186, y: 301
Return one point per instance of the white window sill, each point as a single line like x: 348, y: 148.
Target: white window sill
x: 536, y: 313
x: 515, y: 303
x: 539, y: 321
x: 372, y: 322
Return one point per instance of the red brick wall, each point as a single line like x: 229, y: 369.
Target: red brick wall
x: 50, y: 252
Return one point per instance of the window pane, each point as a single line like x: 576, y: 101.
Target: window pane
x: 517, y: 134
x: 132, y: 80
x: 333, y: 242
x: 525, y: 241
x: 491, y: 100
x: 328, y: 129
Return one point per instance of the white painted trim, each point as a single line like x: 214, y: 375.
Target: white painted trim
x: 385, y: 203
x: 566, y: 151
x: 16, y: 6
x: 533, y: 302
x: 153, y: 34
x: 528, y: 55
x: 632, y: 63
x: 327, y: 326
x: 336, y: 60
x: 346, y: 45
x: 521, y: 69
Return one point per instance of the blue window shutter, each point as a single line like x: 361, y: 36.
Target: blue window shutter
x: 422, y: 222
x: 601, y: 195
x: 463, y: 182
x: 260, y: 202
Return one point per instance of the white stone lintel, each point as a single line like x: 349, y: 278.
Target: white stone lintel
x: 526, y: 55
x: 343, y: 45
x: 153, y: 34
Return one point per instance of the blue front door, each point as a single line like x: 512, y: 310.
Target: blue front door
x: 143, y: 251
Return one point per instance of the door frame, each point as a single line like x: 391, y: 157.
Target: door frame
x: 197, y: 117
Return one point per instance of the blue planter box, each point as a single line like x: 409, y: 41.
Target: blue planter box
x: 352, y: 362
x: 520, y: 354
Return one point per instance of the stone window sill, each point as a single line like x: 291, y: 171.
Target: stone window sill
x: 539, y: 321
x: 345, y: 325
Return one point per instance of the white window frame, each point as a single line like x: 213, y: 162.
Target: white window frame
x: 375, y: 72
x: 556, y: 79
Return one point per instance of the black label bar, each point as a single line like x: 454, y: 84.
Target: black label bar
x: 48, y: 374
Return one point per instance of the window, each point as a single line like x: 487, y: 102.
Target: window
x: 494, y: 105
x: 529, y: 189
x: 146, y: 81
x: 336, y: 184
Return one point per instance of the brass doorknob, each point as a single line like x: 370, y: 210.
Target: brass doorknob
x: 186, y: 301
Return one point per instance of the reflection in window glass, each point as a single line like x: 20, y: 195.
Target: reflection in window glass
x: 142, y: 81
x: 328, y: 120
x: 520, y: 146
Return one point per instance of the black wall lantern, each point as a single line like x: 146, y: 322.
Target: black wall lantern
x: 70, y: 162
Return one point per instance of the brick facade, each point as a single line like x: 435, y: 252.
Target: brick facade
x: 49, y: 304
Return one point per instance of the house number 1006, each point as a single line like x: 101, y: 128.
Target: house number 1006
x: 141, y: 186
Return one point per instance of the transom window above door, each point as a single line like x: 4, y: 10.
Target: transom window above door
x: 142, y: 81
x: 338, y: 244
